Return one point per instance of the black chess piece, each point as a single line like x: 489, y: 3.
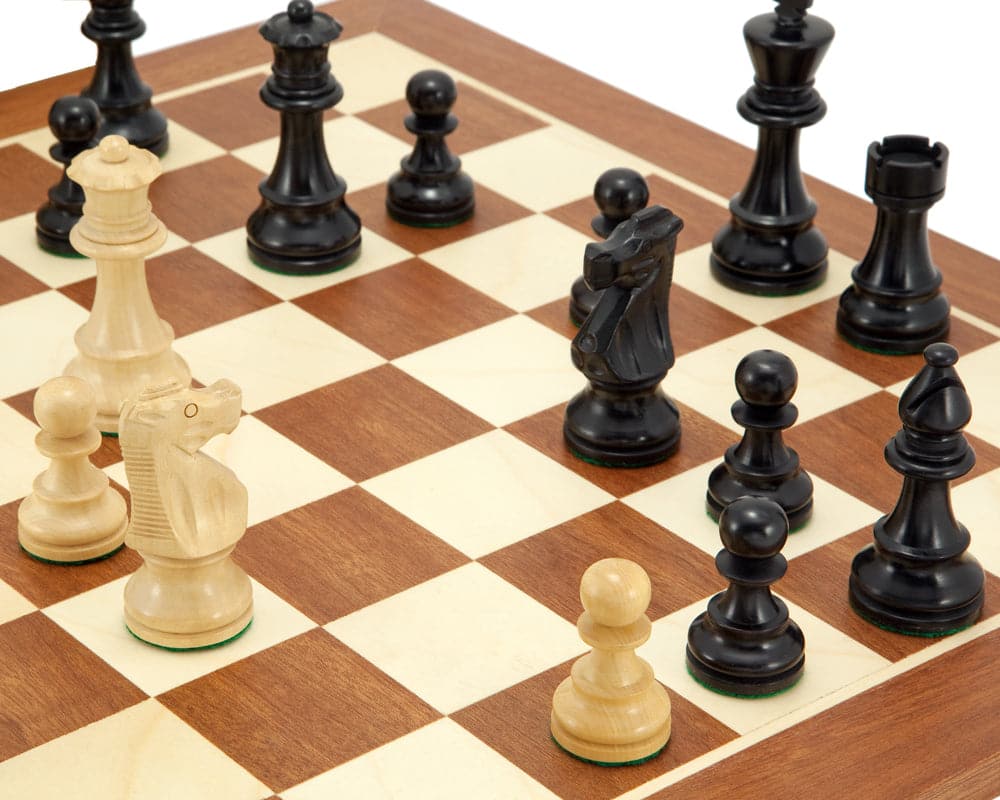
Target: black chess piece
x: 761, y: 464
x: 895, y: 304
x: 74, y: 121
x: 623, y: 418
x: 770, y: 245
x: 430, y: 189
x: 302, y: 225
x: 124, y: 100
x: 745, y: 643
x: 917, y: 577
x: 618, y: 193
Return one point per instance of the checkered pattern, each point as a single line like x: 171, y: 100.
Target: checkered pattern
x: 417, y: 527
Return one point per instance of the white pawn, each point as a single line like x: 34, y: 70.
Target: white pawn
x: 611, y: 710
x: 72, y: 514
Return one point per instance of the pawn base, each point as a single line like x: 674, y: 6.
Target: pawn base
x: 582, y: 300
x: 619, y: 430
x: 726, y: 684
x: 422, y: 204
x: 772, y: 262
x: 52, y: 227
x: 72, y: 554
x: 794, y: 494
x: 892, y: 328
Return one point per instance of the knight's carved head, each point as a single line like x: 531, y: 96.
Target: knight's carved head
x: 181, y: 415
x: 631, y: 255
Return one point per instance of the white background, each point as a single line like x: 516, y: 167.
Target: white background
x: 895, y: 66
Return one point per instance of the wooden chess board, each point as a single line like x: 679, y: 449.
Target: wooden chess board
x: 417, y: 527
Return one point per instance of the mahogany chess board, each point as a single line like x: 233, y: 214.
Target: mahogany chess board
x: 418, y: 528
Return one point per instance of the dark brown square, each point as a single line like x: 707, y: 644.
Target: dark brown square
x: 26, y: 180
x: 207, y: 198
x: 515, y: 723
x: 190, y: 291
x: 52, y: 685
x: 701, y: 217
x: 845, y: 447
x: 492, y: 210
x: 815, y: 328
x: 403, y: 308
x: 298, y: 709
x: 16, y: 284
x: 549, y: 565
x: 482, y: 120
x: 44, y: 584
x: 701, y: 440
x: 342, y: 553
x: 818, y: 581
x: 373, y: 422
x: 231, y: 115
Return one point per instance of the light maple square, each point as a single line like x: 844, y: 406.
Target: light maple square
x: 523, y: 264
x: 12, y: 604
x: 273, y: 354
x: 96, y: 619
x: 704, y: 379
x: 187, y: 148
x: 21, y: 459
x: 230, y: 250
x: 486, y: 493
x: 460, y: 637
x: 975, y: 505
x: 501, y: 372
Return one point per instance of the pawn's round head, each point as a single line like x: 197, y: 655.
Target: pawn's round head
x: 753, y: 527
x: 74, y: 118
x: 766, y: 378
x: 940, y: 354
x: 431, y: 91
x: 300, y: 11
x: 620, y: 192
x: 65, y: 407
x: 615, y: 592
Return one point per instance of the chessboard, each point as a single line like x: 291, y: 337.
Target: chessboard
x: 418, y: 528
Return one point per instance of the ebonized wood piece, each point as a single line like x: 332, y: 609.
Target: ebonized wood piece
x: 125, y: 101
x: 745, y: 643
x: 895, y: 304
x: 770, y: 245
x: 302, y: 225
x: 761, y: 464
x: 74, y: 121
x: 430, y: 189
x: 917, y: 577
x: 623, y: 418
x: 619, y: 193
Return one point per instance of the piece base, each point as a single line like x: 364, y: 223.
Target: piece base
x: 610, y: 755
x: 603, y: 456
x: 750, y: 688
x: 889, y: 346
x: 928, y: 625
x: 56, y: 244
x: 69, y: 563
x: 72, y: 555
x: 718, y: 690
x: 224, y: 642
x: 291, y: 265
x: 634, y: 762
x: 430, y: 219
x: 766, y: 284
x: 197, y: 640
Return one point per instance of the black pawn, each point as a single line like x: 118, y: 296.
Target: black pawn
x: 430, y: 189
x: 760, y: 464
x: 302, y: 225
x: 745, y: 644
x: 124, y: 100
x: 618, y: 193
x: 895, y: 304
x: 770, y: 245
x: 74, y: 121
x: 623, y: 418
x: 917, y: 577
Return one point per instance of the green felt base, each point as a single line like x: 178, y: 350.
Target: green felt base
x: 71, y: 563
x: 451, y: 224
x: 609, y: 763
x: 110, y: 434
x: 337, y: 268
x: 740, y: 696
x: 874, y: 350
x: 190, y: 649
x: 598, y: 463
x: 919, y: 634
x: 72, y: 256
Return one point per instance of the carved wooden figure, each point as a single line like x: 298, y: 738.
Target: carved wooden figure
x: 611, y: 710
x: 188, y: 513
x: 72, y: 514
x: 124, y: 346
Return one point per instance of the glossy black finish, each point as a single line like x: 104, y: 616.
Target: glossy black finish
x: 760, y: 464
x: 430, y: 189
x: 745, y: 643
x: 895, y: 303
x: 124, y: 100
x: 74, y: 121
x: 623, y: 348
x: 618, y: 193
x: 302, y: 225
x: 770, y: 245
x: 917, y: 577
